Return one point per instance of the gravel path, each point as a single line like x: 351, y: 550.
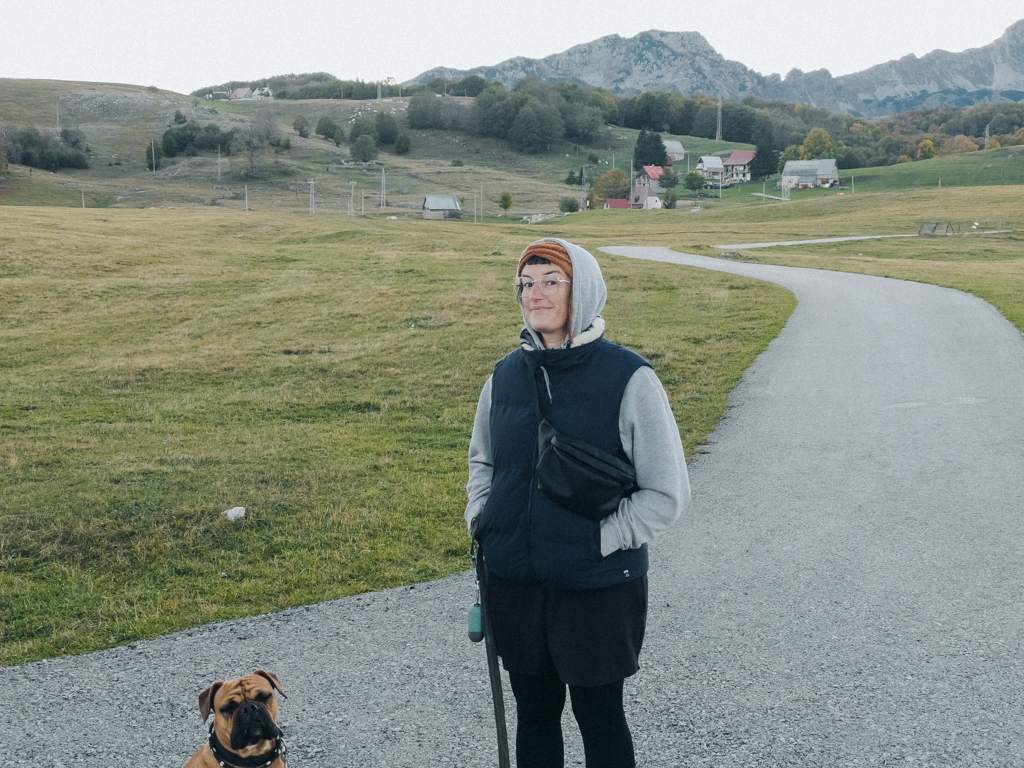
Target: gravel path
x: 749, y: 246
x: 847, y: 590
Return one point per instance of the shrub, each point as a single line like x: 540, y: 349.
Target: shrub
x: 42, y: 150
x: 301, y: 126
x: 457, y: 163
x: 363, y: 126
x: 402, y: 144
x: 364, y: 149
x: 179, y: 118
x: 387, y: 129
x: 568, y: 205
x: 505, y: 201
x: 668, y: 200
x: 326, y: 127
x: 424, y: 110
x: 339, y: 136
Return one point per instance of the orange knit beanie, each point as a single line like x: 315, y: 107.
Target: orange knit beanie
x: 550, y: 250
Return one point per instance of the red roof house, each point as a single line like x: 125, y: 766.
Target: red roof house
x: 737, y: 167
x: 610, y: 203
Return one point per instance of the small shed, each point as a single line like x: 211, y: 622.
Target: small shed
x: 441, y: 207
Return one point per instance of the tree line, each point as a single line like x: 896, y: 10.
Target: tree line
x: 45, y: 150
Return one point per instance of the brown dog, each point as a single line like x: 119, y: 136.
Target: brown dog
x: 244, y: 732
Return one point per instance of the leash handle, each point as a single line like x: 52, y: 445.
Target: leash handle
x: 493, y: 671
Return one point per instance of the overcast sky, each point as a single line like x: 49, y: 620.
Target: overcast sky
x: 187, y: 44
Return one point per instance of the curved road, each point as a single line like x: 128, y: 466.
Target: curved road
x: 848, y: 590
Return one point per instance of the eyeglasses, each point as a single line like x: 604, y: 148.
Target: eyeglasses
x: 548, y: 285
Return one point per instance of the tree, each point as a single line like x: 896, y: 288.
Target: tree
x: 668, y: 200
x: 363, y: 126
x: 693, y: 181
x: 265, y: 128
x: 611, y: 185
x: 424, y: 110
x: 958, y: 144
x: 387, y: 129
x: 571, y: 179
x: 339, y: 136
x: 817, y: 145
x: 401, y: 144
x: 252, y: 146
x: 568, y: 205
x: 925, y: 150
x: 326, y: 127
x: 649, y: 150
x: 669, y: 179
x: 179, y: 118
x: 505, y: 202
x: 993, y: 143
x: 525, y: 133
x: 301, y: 126
x: 364, y: 149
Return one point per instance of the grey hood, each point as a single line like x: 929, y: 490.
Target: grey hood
x: 589, y: 294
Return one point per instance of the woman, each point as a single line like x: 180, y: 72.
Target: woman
x: 567, y: 595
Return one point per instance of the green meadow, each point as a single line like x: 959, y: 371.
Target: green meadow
x: 159, y: 367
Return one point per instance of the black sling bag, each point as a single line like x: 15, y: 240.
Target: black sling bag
x: 577, y: 475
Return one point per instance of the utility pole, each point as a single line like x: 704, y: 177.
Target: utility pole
x: 312, y: 198
x: 362, y: 210
x: 83, y: 199
x: 718, y: 132
x: 383, y: 190
x: 152, y: 152
x: 218, y: 162
x: 247, y: 198
x: 352, y: 199
x: 58, y: 115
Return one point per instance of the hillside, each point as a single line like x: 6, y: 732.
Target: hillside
x: 119, y: 121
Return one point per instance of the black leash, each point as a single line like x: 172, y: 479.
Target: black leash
x: 476, y: 552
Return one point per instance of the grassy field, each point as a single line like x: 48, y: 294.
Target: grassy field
x: 158, y: 367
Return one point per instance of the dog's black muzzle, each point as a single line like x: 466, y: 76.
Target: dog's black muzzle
x: 253, y: 724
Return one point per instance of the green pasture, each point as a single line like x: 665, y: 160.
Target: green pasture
x: 158, y: 367
x: 991, y: 167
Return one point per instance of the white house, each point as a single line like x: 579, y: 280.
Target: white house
x: 650, y: 176
x: 711, y: 167
x: 643, y: 198
x: 737, y: 166
x: 441, y: 207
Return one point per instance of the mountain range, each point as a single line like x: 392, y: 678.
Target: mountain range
x: 685, y: 62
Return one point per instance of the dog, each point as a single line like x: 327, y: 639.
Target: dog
x: 244, y: 732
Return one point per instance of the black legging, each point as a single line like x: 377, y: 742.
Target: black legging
x: 540, y: 700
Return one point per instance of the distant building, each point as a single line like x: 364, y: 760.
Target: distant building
x: 807, y: 174
x: 219, y: 96
x: 674, y: 150
x: 240, y: 94
x: 643, y: 198
x: 623, y: 204
x: 441, y: 207
x: 650, y: 176
x: 737, y: 165
x: 711, y: 167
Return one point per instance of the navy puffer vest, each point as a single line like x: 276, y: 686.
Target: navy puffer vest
x: 525, y: 535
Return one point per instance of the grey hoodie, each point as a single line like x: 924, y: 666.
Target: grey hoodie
x: 647, y: 428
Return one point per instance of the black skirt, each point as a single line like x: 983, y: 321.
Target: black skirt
x: 587, y: 637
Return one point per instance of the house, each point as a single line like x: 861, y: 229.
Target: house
x: 260, y: 94
x: 674, y: 150
x: 441, y: 207
x: 737, y: 166
x: 806, y: 174
x: 711, y: 167
x: 643, y: 198
x: 650, y: 176
x: 218, y: 96
x: 241, y: 93
x: 623, y: 204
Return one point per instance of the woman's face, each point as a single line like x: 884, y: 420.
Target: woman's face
x: 547, y: 315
